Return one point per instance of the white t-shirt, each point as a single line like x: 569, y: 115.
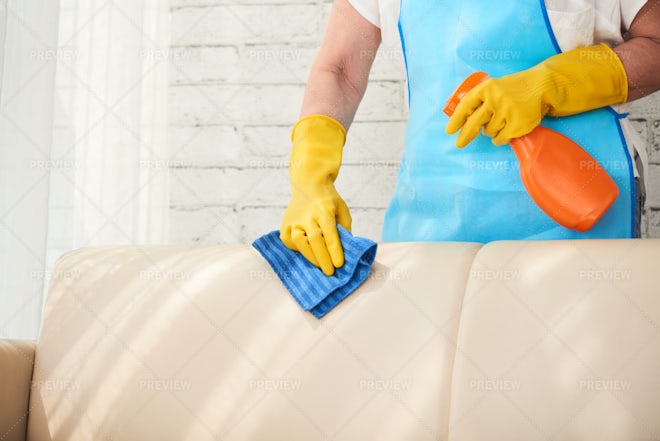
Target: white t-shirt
x: 575, y: 23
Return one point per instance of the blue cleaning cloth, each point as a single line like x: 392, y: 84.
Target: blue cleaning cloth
x: 313, y: 290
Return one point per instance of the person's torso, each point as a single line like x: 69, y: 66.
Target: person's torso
x: 575, y: 23
x: 475, y: 194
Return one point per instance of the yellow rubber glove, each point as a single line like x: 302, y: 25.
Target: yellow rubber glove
x: 310, y: 221
x: 565, y: 84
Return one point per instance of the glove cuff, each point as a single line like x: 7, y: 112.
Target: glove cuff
x: 584, y: 79
x: 318, y: 142
x: 612, y: 61
x: 320, y: 126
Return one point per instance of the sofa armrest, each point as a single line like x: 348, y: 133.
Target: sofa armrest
x: 16, y: 366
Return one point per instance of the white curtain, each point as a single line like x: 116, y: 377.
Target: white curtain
x: 84, y: 139
x: 26, y: 121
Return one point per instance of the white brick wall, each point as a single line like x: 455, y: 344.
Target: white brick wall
x: 238, y: 72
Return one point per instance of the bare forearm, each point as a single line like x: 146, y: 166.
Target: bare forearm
x: 641, y: 58
x: 641, y: 54
x: 330, y: 92
x: 340, y: 73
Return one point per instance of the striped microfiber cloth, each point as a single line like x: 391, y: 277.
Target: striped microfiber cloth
x: 313, y: 290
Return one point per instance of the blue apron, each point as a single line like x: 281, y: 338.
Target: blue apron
x: 475, y: 194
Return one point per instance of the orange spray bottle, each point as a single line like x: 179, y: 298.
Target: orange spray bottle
x: 564, y: 180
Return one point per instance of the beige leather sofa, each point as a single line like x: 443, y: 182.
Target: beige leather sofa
x: 508, y: 341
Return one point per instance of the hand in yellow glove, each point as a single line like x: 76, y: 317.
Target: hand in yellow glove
x: 310, y: 221
x: 565, y: 84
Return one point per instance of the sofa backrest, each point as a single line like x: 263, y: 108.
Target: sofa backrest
x: 560, y: 340
x: 204, y: 343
